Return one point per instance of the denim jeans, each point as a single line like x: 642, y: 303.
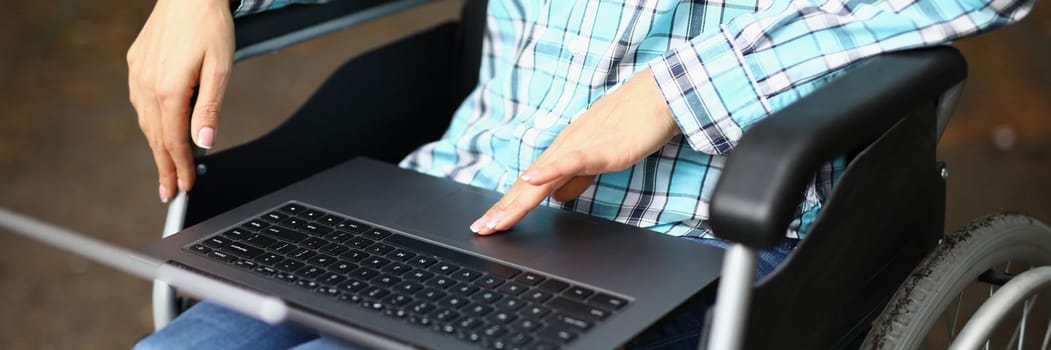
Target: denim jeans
x: 209, y: 326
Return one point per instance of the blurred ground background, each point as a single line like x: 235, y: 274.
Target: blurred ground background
x: 71, y: 153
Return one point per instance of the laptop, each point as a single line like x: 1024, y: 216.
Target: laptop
x: 382, y: 257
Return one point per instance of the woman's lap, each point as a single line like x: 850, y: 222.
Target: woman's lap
x: 208, y: 326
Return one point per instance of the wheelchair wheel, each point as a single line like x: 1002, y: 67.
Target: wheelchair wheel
x: 977, y: 258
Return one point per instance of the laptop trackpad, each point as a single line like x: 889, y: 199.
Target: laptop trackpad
x: 545, y: 237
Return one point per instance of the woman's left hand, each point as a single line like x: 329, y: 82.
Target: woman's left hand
x: 617, y: 131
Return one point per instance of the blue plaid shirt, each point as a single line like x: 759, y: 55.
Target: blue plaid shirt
x: 721, y: 66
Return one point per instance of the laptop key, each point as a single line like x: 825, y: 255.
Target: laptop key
x: 467, y: 275
x: 441, y: 282
x: 469, y: 323
x: 246, y: 264
x: 315, y: 229
x: 535, y: 311
x: 557, y: 333
x: 489, y: 281
x: 396, y: 313
x: 292, y: 208
x: 379, y: 249
x: 386, y: 281
x: 364, y: 273
x: 307, y: 284
x: 289, y: 265
x: 430, y: 294
x: 216, y: 242
x: 283, y: 248
x: 292, y: 222
x: 477, y: 310
x: 397, y: 268
x: 342, y: 267
x: 486, y: 296
x: 332, y: 278
x: 464, y: 289
x: 422, y: 261
x: 350, y: 298
x: 310, y: 272
x: 265, y: 270
x: 501, y: 317
x: 513, y: 288
x: 330, y: 291
x: 238, y: 233
x: 375, y: 262
x: 377, y: 234
x: 453, y: 301
x: 518, y: 339
x: 353, y: 286
x: 576, y: 308
x: 354, y: 255
x: 312, y: 214
x: 421, y: 307
x: 200, y: 249
x: 445, y: 315
x: 494, y: 331
x: 332, y: 220
x: 401, y: 255
x: 359, y: 242
x: 526, y: 324
x: 607, y: 301
x: 242, y: 250
x: 255, y: 225
x: 321, y: 260
x: 284, y: 234
x: 260, y: 241
x: 419, y: 275
x: 397, y: 299
x: 334, y: 249
x: 579, y: 323
x: 301, y: 254
x: 274, y: 217
x: 339, y: 236
x: 408, y: 287
x: 287, y: 277
x: 443, y: 268
x: 269, y: 258
x: 221, y: 256
x: 353, y: 226
x: 510, y: 303
x: 313, y: 243
x: 375, y: 293
x: 529, y: 279
x: 577, y: 292
x: 536, y: 296
x: 553, y: 286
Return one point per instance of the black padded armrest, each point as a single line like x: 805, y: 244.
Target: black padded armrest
x: 766, y: 175
x: 273, y: 30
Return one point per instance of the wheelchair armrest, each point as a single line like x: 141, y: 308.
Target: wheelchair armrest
x: 274, y: 30
x: 767, y: 174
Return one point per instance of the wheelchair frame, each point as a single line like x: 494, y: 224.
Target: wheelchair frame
x: 895, y: 108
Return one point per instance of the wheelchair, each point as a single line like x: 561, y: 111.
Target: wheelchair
x: 873, y: 272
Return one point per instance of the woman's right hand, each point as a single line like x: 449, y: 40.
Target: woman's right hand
x: 183, y: 45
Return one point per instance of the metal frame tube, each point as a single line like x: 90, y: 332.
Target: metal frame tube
x: 984, y: 321
x: 733, y: 298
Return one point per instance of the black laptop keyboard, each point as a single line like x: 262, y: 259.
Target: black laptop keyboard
x: 461, y: 295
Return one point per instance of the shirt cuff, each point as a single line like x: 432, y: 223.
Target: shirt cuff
x: 710, y: 91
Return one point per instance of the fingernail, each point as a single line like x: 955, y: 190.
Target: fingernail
x: 163, y: 192
x: 206, y: 137
x: 477, y: 225
x: 182, y: 186
x: 499, y: 216
x: 529, y: 175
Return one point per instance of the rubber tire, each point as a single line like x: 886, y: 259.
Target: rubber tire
x: 952, y: 266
